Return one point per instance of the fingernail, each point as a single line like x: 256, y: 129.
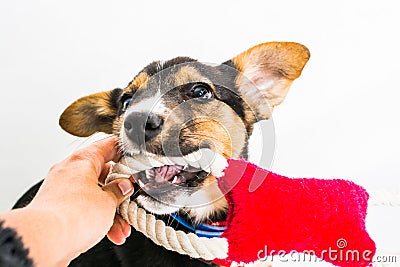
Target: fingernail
x: 125, y: 186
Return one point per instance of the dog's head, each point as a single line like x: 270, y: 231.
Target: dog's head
x: 175, y: 108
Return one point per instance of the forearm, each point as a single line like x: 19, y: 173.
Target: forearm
x: 37, y: 229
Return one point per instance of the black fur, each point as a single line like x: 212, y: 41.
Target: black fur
x: 114, y: 98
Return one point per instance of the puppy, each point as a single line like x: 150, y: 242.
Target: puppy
x: 173, y: 109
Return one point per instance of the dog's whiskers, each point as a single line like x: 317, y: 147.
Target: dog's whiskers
x: 188, y: 216
x: 187, y: 126
x: 136, y: 194
x: 169, y: 221
x: 197, y: 136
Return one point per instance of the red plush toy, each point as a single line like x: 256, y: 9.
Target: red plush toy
x: 323, y: 217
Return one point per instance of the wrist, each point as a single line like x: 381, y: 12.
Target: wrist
x: 41, y: 233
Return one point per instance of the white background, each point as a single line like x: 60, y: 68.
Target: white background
x: 339, y: 120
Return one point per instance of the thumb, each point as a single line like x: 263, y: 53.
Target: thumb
x: 120, y: 189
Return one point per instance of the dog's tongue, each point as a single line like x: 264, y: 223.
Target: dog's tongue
x: 166, y: 173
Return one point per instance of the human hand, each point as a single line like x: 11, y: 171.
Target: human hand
x: 71, y: 211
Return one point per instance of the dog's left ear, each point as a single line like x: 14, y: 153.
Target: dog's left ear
x: 91, y: 114
x: 269, y: 69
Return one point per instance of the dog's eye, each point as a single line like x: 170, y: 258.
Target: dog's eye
x: 201, y: 91
x: 126, y: 101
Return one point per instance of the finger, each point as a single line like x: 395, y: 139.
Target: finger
x: 104, y: 150
x: 116, y: 156
x: 104, y: 173
x: 97, y: 154
x: 126, y: 228
x: 116, y: 234
x: 119, y: 189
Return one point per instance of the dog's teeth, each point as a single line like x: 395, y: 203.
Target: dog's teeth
x: 175, y: 180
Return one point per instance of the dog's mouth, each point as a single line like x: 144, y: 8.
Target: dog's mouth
x: 176, y: 170
x: 173, y: 181
x: 168, y: 177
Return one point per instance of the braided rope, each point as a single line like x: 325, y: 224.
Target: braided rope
x: 162, y: 235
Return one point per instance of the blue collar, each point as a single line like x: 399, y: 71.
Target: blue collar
x: 202, y: 229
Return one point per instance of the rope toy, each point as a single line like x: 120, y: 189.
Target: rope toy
x: 282, y: 214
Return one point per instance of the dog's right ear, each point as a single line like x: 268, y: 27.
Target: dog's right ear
x: 91, y: 114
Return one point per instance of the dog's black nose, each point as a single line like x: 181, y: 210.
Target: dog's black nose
x: 141, y: 126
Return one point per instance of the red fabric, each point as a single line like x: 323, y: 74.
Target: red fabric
x: 286, y: 214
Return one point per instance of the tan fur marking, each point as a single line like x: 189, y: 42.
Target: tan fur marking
x: 212, y: 192
x: 215, y: 123
x: 139, y: 82
x: 117, y: 125
x: 188, y: 74
x: 83, y: 117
